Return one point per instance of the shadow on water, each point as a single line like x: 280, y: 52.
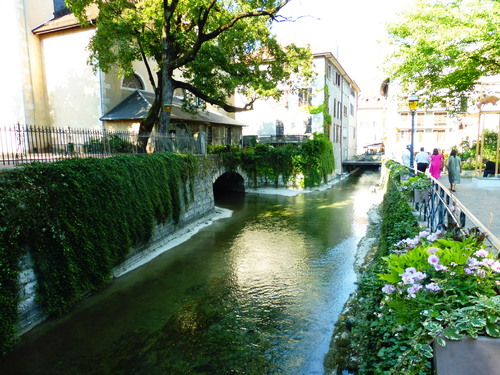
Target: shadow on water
x: 257, y: 293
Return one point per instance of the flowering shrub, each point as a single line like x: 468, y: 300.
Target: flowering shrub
x: 436, y: 285
x: 419, y: 182
x: 397, y: 170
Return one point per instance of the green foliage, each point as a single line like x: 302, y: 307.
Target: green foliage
x: 433, y: 286
x: 78, y: 219
x: 418, y: 285
x: 113, y: 143
x: 398, y: 220
x: 397, y: 170
x: 219, y: 47
x: 467, y: 152
x: 312, y: 158
x: 443, y: 47
x: 419, y: 182
x: 323, y: 108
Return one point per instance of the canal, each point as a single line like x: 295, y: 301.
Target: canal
x: 256, y: 293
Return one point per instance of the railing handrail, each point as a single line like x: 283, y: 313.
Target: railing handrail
x: 495, y: 242
x: 438, y: 207
x: 22, y: 143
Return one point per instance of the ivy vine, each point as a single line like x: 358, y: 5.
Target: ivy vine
x: 79, y: 218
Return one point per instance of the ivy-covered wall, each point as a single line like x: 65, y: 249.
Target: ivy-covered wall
x: 312, y: 160
x: 78, y: 219
x: 74, y: 221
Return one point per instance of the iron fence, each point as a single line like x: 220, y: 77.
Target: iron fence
x: 23, y: 143
x: 440, y: 209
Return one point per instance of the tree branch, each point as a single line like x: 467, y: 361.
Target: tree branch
x: 222, y: 104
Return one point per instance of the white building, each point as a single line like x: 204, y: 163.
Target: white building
x: 328, y: 105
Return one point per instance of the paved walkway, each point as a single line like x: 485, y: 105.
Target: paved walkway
x: 482, y: 202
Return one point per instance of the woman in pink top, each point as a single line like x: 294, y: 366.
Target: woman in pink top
x: 437, y: 161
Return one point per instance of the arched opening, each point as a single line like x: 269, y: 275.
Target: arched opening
x: 229, y: 183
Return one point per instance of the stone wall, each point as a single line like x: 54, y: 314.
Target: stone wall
x: 200, y: 208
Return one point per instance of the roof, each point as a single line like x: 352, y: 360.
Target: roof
x: 336, y: 63
x: 136, y: 107
x: 68, y: 21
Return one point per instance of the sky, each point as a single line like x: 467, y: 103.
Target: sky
x: 350, y: 29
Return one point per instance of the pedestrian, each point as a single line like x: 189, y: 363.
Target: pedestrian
x: 442, y: 165
x: 437, y: 161
x: 406, y: 156
x: 422, y: 159
x: 454, y: 167
x: 490, y: 167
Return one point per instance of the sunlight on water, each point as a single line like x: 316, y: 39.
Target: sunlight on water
x: 257, y: 293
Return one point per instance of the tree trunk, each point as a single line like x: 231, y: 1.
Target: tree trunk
x: 146, y: 126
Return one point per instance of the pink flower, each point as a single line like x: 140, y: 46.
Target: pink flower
x: 432, y: 250
x: 440, y: 267
x: 496, y: 266
x: 481, y: 253
x: 472, y: 262
x: 433, y: 259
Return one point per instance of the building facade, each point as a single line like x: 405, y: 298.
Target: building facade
x: 51, y: 84
x: 328, y: 105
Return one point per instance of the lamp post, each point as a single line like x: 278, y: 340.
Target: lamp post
x: 412, y: 103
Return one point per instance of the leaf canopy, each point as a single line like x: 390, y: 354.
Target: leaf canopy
x: 442, y: 48
x: 218, y: 46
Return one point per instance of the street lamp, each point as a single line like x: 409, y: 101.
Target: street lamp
x: 412, y: 103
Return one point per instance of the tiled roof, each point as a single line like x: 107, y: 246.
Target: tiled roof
x: 65, y: 22
x: 136, y: 107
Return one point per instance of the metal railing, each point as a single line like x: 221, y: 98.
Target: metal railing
x: 277, y: 139
x: 440, y: 209
x: 23, y: 143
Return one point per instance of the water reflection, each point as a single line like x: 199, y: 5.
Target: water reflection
x: 257, y: 293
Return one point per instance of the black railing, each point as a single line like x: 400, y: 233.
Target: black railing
x: 22, y: 143
x: 277, y: 139
x: 440, y: 209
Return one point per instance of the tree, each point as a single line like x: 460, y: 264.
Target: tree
x: 443, y: 47
x: 209, y: 48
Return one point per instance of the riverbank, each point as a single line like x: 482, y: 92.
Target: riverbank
x: 174, y: 239
x: 186, y: 232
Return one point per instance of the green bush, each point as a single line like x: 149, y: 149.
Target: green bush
x: 78, y: 219
x: 112, y: 143
x: 417, y: 285
x: 312, y: 159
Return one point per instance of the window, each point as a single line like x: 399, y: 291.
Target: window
x: 133, y: 82
x: 305, y: 97
x: 280, y: 128
x: 337, y: 78
x: 352, y: 109
x: 439, y: 136
x: 440, y: 119
x: 328, y: 72
x: 308, y: 125
x: 345, y: 110
x: 419, y: 119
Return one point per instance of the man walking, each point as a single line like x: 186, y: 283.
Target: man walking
x: 406, y: 156
x: 422, y: 159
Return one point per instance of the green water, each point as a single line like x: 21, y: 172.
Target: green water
x: 257, y: 293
